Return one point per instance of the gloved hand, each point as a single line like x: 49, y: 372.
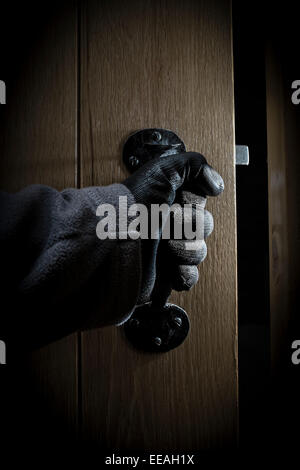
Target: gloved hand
x: 185, y: 179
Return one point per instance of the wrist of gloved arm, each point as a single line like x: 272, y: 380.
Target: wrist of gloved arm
x: 121, y: 270
x: 65, y: 278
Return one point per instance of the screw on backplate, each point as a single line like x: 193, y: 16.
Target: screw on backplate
x: 134, y: 322
x: 156, y: 136
x: 157, y: 340
x: 177, y: 321
x: 133, y: 160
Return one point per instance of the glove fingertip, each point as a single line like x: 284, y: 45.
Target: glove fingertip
x: 212, y: 181
x: 185, y: 277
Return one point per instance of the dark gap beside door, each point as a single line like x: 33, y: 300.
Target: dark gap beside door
x: 252, y: 222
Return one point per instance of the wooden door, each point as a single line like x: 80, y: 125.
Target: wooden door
x: 163, y: 64
x: 117, y: 67
x: 38, y: 144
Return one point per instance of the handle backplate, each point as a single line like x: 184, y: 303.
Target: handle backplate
x: 147, y: 144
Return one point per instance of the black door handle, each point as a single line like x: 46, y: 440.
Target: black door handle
x: 157, y: 326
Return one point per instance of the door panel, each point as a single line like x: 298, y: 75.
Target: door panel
x: 163, y: 64
x: 278, y: 207
x: 38, y: 145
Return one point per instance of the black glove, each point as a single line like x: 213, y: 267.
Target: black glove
x: 185, y: 179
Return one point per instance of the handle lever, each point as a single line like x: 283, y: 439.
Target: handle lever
x: 157, y: 326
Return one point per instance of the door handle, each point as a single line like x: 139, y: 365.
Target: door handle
x: 157, y: 326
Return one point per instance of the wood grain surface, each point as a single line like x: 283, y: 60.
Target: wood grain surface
x: 163, y: 64
x: 284, y: 196
x: 278, y: 218
x: 38, y: 145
